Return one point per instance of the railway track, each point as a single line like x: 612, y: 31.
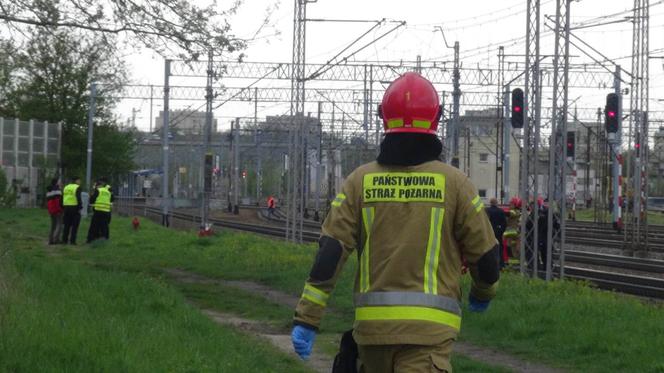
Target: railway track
x: 630, y: 284
x: 643, y: 286
x: 615, y: 261
x: 577, y: 232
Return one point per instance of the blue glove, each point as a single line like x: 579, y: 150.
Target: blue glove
x: 303, y: 340
x: 476, y: 305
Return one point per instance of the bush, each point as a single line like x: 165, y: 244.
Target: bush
x: 7, y: 196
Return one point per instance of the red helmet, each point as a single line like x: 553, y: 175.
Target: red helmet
x: 515, y: 202
x: 410, y: 104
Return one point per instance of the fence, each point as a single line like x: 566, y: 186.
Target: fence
x: 29, y: 150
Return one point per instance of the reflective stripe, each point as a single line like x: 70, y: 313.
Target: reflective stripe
x: 408, y: 313
x: 395, y: 123
x: 477, y: 203
x: 408, y: 298
x: 368, y: 217
x: 511, y: 232
x: 314, y: 295
x: 421, y: 124
x: 338, y: 200
x: 433, y: 251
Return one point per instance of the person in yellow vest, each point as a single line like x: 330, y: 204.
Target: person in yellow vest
x: 410, y: 218
x: 101, y: 202
x: 72, y: 204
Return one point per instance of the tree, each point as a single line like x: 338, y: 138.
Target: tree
x: 170, y: 27
x: 53, y: 71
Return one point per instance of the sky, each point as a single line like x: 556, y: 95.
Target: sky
x: 480, y: 26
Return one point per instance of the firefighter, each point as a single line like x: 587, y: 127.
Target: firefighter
x: 101, y: 201
x: 410, y: 218
x: 511, y: 235
x: 72, y: 204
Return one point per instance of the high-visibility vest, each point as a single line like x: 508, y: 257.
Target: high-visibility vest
x: 69, y: 195
x: 103, y: 201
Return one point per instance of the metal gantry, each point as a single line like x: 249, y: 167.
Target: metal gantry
x: 529, y: 155
x: 296, y: 154
x: 558, y: 160
x: 636, y: 221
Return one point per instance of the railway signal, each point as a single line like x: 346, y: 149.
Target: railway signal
x: 517, y: 108
x: 570, y: 144
x: 611, y: 113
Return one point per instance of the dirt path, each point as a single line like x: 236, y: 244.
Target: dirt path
x: 317, y: 361
x: 323, y: 363
x: 497, y: 358
x: 274, y: 296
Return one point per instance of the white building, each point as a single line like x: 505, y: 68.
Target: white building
x: 478, y: 157
x: 185, y: 122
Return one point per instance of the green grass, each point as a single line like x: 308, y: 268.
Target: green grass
x: 654, y: 218
x: 237, y: 302
x: 563, y: 324
x: 65, y: 316
x: 466, y: 365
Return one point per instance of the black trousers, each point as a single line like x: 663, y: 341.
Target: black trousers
x: 99, y: 225
x: 72, y: 219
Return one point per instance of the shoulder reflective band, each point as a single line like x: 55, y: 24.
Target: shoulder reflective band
x: 367, y: 217
x: 314, y: 295
x: 433, y: 251
x: 403, y: 187
x: 408, y: 313
x: 338, y: 200
x: 477, y: 203
x: 407, y: 298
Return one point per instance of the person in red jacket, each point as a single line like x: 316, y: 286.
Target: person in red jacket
x: 55, y: 210
x: 271, y: 204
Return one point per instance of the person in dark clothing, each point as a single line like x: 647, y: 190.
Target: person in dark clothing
x: 72, y: 203
x: 54, y: 207
x: 542, y: 230
x: 101, y: 201
x: 499, y: 223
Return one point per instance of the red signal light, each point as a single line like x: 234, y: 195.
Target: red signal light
x: 637, y: 145
x: 611, y: 114
x: 517, y: 109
